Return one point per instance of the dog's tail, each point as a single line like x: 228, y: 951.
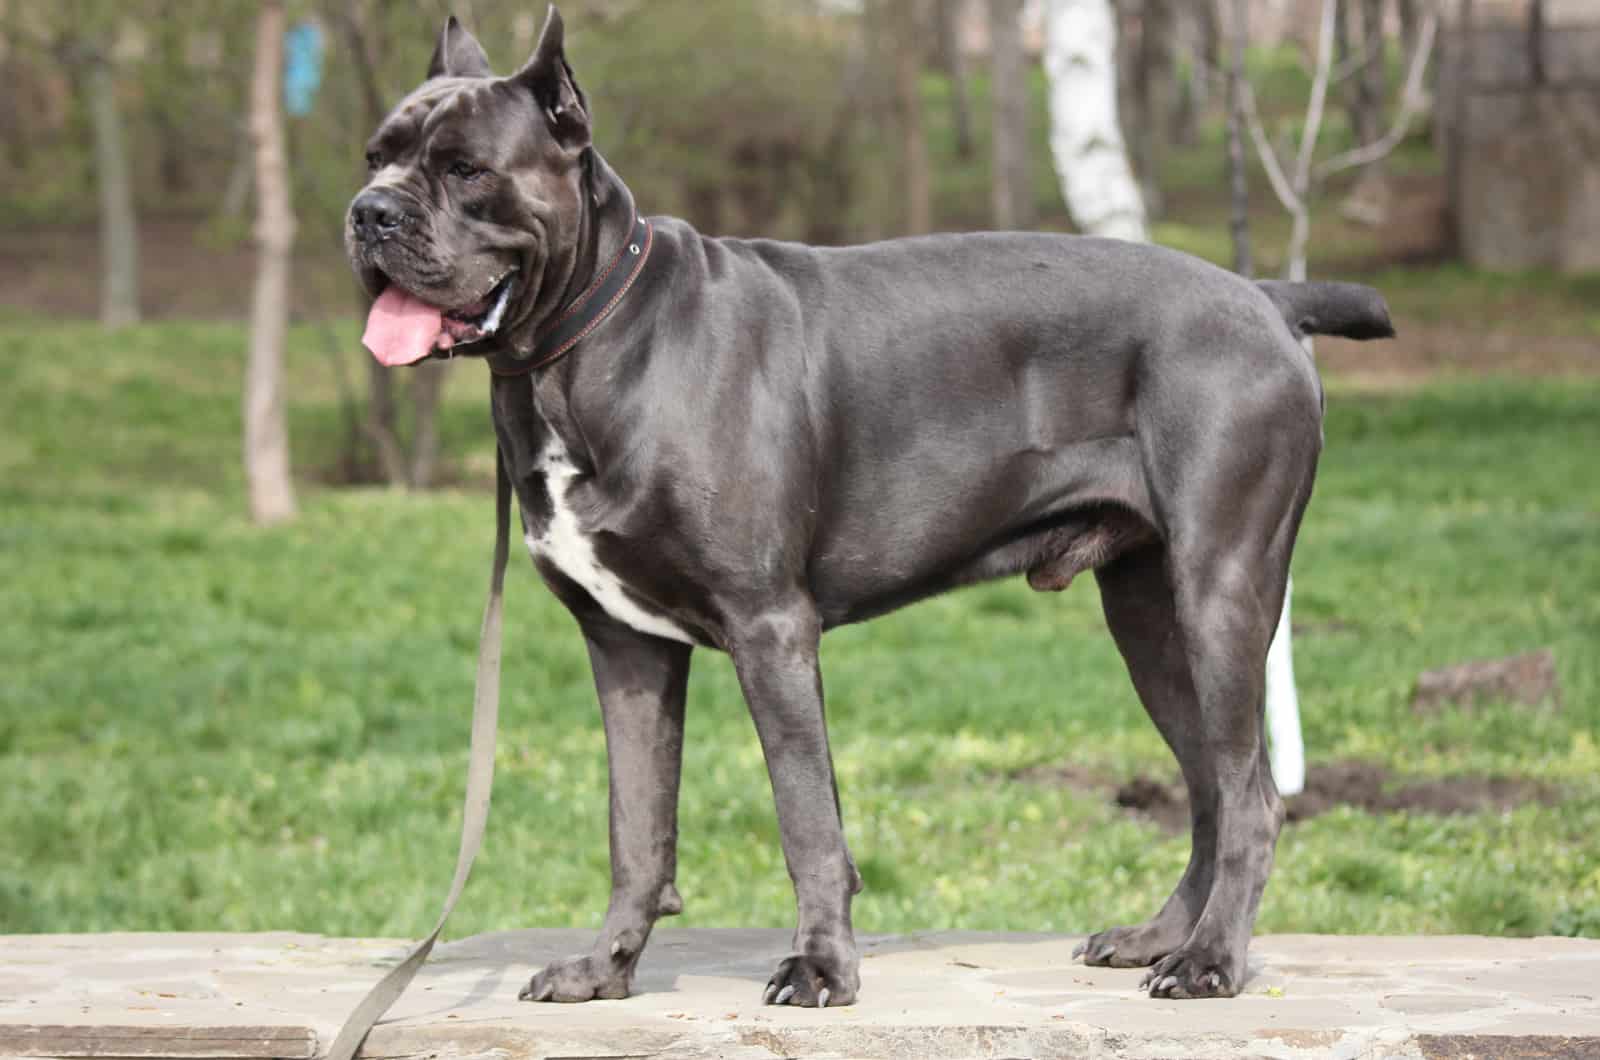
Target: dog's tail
x: 1349, y: 310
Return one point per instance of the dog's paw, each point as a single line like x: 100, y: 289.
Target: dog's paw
x: 577, y: 979
x: 1129, y: 947
x: 1191, y: 973
x: 812, y: 982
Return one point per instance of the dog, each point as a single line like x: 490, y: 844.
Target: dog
x: 740, y: 444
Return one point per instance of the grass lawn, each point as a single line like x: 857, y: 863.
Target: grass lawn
x: 205, y: 725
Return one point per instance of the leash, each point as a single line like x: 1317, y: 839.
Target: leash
x: 480, y: 780
x: 582, y: 316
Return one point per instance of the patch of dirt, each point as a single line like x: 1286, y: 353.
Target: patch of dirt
x: 1366, y: 786
x: 1372, y: 788
x: 1529, y: 679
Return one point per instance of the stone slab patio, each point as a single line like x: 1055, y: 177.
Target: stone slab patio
x: 938, y: 995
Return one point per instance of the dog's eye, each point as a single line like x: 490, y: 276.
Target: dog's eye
x: 464, y: 170
x: 374, y: 161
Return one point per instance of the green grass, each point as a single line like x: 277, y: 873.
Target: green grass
x: 207, y: 725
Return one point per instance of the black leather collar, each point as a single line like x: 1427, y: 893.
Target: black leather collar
x: 585, y: 312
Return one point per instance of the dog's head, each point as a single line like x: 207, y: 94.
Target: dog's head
x: 469, y: 218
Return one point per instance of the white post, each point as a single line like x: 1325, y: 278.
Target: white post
x: 1288, y: 748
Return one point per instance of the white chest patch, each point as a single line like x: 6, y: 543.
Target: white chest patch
x: 564, y: 544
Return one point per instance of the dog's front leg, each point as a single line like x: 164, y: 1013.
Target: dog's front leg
x: 641, y: 682
x: 775, y: 654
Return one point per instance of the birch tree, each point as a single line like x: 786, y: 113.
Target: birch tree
x: 1085, y: 136
x: 266, y: 431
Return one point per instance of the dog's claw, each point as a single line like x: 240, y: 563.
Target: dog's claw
x: 822, y: 998
x: 784, y: 995
x: 1166, y: 984
x: 766, y: 997
x: 1080, y: 949
x: 1216, y: 980
x: 1105, y: 953
x: 544, y: 994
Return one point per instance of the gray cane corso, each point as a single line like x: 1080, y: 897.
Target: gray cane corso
x: 751, y: 442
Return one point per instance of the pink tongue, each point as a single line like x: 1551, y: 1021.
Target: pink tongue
x: 401, y: 328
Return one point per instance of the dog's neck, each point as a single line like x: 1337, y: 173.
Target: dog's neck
x: 605, y: 224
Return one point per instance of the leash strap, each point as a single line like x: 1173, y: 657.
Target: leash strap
x: 480, y: 779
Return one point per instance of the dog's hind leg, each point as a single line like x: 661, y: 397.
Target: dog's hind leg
x: 1136, y: 594
x: 1226, y: 616
x: 641, y: 681
x: 1231, y: 506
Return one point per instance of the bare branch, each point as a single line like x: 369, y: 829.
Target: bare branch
x: 1410, y: 103
x: 1269, y: 156
x: 1319, y: 98
x: 1352, y: 66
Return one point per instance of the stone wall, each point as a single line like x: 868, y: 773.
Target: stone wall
x: 1530, y: 183
x: 1525, y: 161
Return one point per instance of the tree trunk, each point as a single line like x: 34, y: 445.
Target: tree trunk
x: 266, y: 432
x: 1153, y: 96
x: 1370, y: 81
x: 1463, y: 70
x: 1368, y: 201
x: 916, y: 181
x: 426, y: 382
x: 1011, y: 179
x: 1536, y: 24
x: 171, y: 29
x: 955, y: 68
x: 1344, y: 56
x: 119, y: 231
x: 236, y: 192
x: 1085, y: 136
x: 1200, y: 38
x: 1409, y: 24
x: 832, y: 183
x: 1238, y: 184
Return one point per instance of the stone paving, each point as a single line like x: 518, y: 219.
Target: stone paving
x: 937, y: 995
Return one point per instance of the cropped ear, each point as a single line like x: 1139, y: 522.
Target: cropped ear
x: 548, y: 77
x: 458, y: 54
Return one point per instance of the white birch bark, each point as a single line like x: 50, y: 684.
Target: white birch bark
x: 1085, y: 136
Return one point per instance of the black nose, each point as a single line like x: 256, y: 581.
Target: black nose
x: 376, y: 214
